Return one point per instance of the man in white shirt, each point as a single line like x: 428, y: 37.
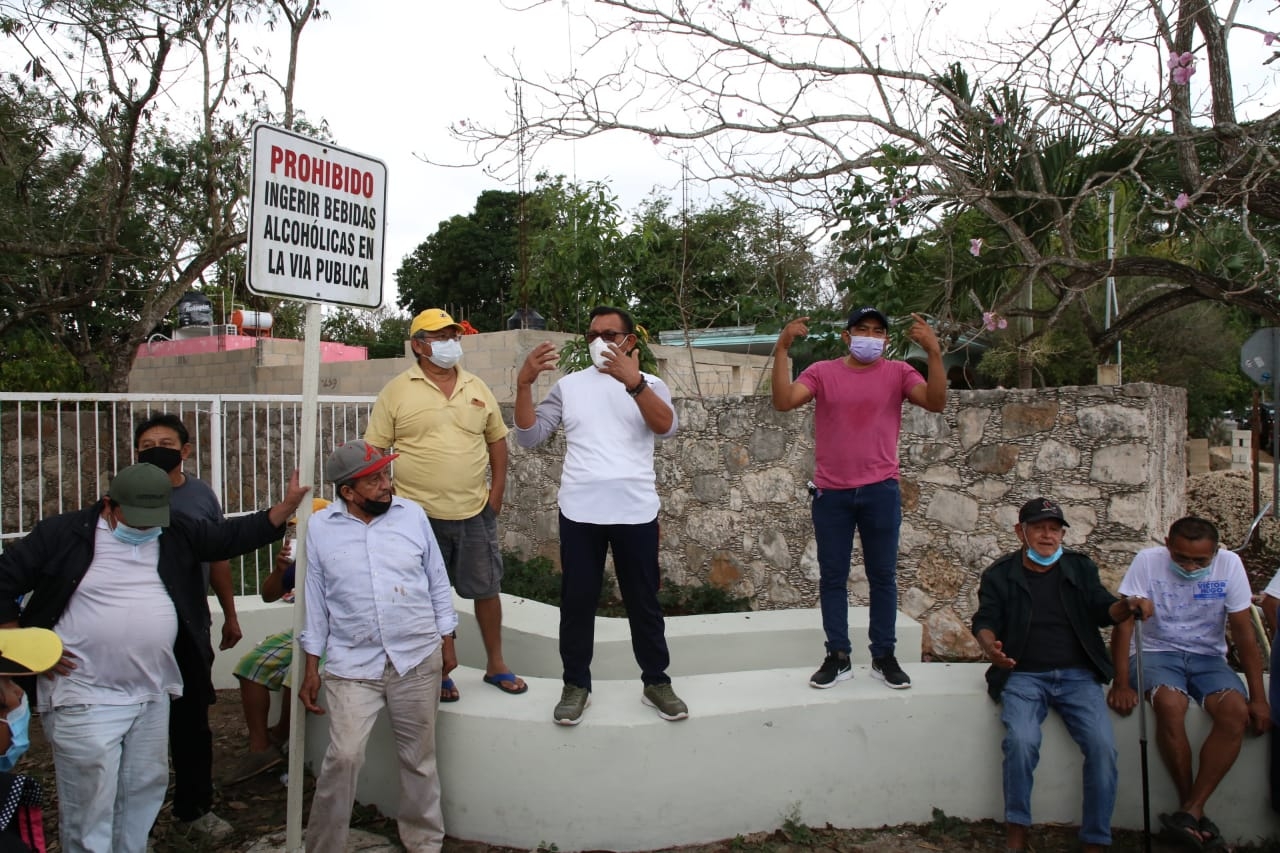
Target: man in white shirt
x: 120, y: 583
x: 611, y: 414
x: 379, y: 605
x: 1196, y: 589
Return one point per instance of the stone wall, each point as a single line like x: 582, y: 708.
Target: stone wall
x: 735, y: 506
x: 732, y: 480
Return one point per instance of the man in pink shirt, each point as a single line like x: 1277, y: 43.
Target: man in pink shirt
x: 858, y: 414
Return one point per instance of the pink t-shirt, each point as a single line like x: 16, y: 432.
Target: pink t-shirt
x: 857, y: 416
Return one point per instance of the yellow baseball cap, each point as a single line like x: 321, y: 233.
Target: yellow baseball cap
x: 432, y: 320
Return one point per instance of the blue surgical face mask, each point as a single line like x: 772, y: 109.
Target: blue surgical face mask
x: 864, y: 349
x: 19, y: 721
x: 1035, y: 557
x: 133, y: 536
x: 1197, y: 575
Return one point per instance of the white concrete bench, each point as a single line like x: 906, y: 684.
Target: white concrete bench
x: 760, y: 746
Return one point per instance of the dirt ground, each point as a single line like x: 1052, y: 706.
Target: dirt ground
x: 257, y: 809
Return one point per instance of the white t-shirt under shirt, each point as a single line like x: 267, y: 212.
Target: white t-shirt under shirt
x: 1190, y: 615
x: 1273, y: 588
x: 119, y: 626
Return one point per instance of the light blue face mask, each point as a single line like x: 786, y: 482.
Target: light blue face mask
x: 1197, y: 575
x: 1035, y: 557
x: 20, y: 740
x: 133, y: 536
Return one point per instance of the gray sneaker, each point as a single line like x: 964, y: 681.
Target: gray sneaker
x: 573, y: 701
x: 662, y: 697
x: 208, y: 825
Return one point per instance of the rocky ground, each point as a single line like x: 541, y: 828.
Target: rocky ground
x: 257, y: 808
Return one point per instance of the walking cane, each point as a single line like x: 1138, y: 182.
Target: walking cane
x: 1142, y: 738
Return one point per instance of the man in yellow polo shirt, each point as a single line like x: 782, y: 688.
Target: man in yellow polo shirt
x: 445, y: 424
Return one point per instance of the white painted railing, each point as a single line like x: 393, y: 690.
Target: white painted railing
x: 59, y: 451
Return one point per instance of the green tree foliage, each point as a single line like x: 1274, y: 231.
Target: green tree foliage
x: 111, y: 207
x: 468, y: 266
x: 731, y: 263
x: 383, y: 332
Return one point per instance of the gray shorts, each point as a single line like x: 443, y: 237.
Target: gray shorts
x: 471, y: 554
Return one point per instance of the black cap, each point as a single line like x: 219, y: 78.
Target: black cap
x: 1038, y: 509
x: 867, y: 311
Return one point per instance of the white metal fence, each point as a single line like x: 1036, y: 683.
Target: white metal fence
x: 58, y: 452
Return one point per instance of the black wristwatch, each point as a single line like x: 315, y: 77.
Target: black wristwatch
x: 640, y: 386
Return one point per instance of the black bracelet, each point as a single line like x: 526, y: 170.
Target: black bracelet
x: 640, y: 386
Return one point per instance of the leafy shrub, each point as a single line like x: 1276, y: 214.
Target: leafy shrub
x: 538, y: 580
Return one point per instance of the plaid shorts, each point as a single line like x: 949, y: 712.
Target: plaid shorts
x: 268, y: 663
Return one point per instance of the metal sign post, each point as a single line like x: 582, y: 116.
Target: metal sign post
x: 316, y: 222
x: 1260, y: 360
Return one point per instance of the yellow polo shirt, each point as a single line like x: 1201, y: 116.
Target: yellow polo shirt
x: 443, y: 443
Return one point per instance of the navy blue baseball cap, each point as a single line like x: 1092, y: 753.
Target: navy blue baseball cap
x: 860, y: 314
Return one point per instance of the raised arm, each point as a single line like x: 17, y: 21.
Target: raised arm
x: 785, y: 394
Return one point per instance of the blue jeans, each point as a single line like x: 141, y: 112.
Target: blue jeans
x: 875, y: 511
x: 1077, y: 696
x: 112, y: 767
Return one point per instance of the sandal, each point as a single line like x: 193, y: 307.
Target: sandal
x: 1210, y: 835
x: 1182, y: 828
x: 449, y: 691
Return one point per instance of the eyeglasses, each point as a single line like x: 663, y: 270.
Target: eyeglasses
x: 442, y: 336
x: 610, y: 336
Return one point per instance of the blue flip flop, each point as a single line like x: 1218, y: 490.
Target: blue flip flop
x: 504, y: 678
x: 448, y: 684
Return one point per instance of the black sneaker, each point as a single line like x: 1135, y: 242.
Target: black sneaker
x: 835, y: 668
x: 887, y: 670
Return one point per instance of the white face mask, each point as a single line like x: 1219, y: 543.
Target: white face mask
x: 445, y: 354
x: 598, y: 348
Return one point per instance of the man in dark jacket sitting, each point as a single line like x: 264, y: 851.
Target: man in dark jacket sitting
x: 1039, y: 611
x: 120, y: 582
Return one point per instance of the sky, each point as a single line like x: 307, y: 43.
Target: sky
x: 391, y: 76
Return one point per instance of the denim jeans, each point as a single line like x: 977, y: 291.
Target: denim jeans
x: 353, y: 705
x: 1077, y: 696
x: 112, y: 768
x: 875, y: 511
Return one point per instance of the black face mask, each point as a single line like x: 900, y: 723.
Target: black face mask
x: 375, y: 507
x: 164, y: 458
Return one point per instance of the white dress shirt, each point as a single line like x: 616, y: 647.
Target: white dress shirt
x: 374, y: 592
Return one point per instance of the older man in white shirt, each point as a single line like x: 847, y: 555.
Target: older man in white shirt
x: 379, y: 605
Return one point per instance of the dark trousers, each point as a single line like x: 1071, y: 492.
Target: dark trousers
x: 635, y: 560
x: 190, y: 739
x: 1274, y: 737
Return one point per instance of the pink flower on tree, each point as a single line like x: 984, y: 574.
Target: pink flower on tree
x: 1182, y: 66
x: 655, y: 138
x: 992, y: 321
x: 998, y: 120
x: 975, y: 246
x: 1182, y: 202
x: 1269, y: 39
